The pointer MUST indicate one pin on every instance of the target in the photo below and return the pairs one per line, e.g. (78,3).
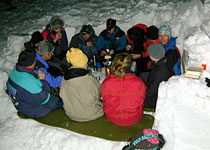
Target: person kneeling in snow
(30,93)
(80,90)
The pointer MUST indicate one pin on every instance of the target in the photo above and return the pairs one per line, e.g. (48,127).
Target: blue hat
(165,29)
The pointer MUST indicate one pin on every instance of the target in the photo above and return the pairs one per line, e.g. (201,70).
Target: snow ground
(183,113)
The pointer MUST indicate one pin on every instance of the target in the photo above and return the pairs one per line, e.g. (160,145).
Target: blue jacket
(78,41)
(116,40)
(172,45)
(53,81)
(30,95)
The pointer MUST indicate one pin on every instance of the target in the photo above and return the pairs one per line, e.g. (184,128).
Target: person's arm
(100,43)
(53,81)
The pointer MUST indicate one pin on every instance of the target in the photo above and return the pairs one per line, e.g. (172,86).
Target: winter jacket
(80,93)
(61,46)
(172,45)
(145,54)
(160,71)
(78,41)
(141,29)
(30,95)
(123,99)
(116,40)
(42,65)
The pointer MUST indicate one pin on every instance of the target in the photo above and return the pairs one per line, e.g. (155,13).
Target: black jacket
(160,71)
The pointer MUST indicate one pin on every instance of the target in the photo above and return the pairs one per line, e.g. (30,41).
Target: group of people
(49,64)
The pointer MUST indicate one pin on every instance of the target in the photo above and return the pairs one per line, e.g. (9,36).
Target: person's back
(80,91)
(160,71)
(123,93)
(30,93)
(86,41)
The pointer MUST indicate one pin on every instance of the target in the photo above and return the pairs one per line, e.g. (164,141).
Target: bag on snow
(147,139)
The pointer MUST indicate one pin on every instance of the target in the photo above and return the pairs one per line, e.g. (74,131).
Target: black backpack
(147,139)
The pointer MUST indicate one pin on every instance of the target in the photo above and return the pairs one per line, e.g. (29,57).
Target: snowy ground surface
(183,109)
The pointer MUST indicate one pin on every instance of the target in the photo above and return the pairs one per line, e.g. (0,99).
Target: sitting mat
(101,127)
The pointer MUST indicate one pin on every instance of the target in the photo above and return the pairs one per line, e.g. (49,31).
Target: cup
(204,66)
(98,66)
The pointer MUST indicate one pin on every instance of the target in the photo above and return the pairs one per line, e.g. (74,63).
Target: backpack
(147,139)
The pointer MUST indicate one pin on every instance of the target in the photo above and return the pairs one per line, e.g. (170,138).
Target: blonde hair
(121,63)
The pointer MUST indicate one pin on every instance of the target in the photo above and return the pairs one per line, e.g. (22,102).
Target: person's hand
(128,47)
(89,44)
(58,35)
(41,75)
(136,56)
(111,52)
(103,53)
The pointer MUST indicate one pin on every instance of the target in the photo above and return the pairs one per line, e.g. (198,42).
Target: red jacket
(129,41)
(123,99)
(147,44)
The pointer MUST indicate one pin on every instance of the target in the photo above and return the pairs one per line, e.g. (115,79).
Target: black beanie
(152,33)
(26,58)
(36,37)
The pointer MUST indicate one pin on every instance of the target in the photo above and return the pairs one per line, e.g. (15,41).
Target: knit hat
(165,29)
(110,23)
(56,22)
(76,57)
(36,37)
(26,58)
(87,29)
(156,51)
(44,48)
(152,33)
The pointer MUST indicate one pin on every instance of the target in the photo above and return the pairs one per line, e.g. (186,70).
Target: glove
(208,82)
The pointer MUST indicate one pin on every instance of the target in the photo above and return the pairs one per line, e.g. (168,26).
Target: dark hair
(110,23)
(87,29)
(36,37)
(121,62)
(152,33)
(26,58)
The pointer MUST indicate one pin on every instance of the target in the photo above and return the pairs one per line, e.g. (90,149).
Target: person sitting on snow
(56,34)
(35,39)
(112,40)
(152,37)
(123,93)
(80,90)
(30,92)
(136,37)
(45,51)
(169,43)
(161,70)
(86,41)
